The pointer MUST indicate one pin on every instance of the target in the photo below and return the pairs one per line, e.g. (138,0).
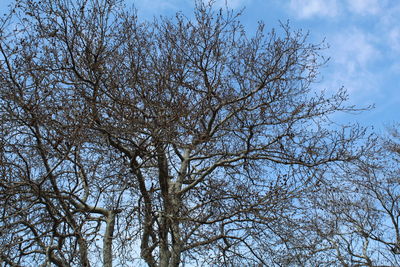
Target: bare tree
(358,212)
(182,138)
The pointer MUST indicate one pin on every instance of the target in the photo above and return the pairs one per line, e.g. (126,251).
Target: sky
(363,38)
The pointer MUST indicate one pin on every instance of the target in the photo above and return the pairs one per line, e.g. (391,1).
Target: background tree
(358,213)
(182,138)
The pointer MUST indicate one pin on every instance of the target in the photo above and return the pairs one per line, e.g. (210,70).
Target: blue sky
(363,35)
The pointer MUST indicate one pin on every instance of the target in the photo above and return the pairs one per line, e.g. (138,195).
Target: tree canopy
(181,140)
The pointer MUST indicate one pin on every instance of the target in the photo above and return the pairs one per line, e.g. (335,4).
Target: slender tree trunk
(176,241)
(164,250)
(83,252)
(108,240)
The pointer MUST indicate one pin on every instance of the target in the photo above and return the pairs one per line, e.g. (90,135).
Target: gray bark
(108,239)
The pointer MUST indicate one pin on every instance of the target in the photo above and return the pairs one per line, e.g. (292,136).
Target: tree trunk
(108,238)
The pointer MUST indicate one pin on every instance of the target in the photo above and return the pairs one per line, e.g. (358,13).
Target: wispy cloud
(354,53)
(354,49)
(394,39)
(331,8)
(389,29)
(231,3)
(149,8)
(312,8)
(366,7)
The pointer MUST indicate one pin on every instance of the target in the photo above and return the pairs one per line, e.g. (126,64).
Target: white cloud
(354,54)
(394,38)
(156,7)
(232,3)
(150,8)
(389,30)
(311,8)
(365,7)
(354,49)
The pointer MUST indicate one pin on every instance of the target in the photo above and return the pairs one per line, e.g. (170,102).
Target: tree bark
(108,240)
